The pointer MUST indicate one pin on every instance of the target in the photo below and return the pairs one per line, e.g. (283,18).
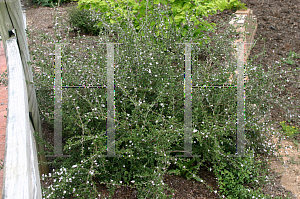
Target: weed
(289,130)
(3,78)
(290,59)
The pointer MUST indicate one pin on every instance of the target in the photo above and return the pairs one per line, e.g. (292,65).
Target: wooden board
(11,18)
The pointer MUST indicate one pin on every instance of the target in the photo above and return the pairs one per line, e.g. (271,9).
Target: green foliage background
(177,12)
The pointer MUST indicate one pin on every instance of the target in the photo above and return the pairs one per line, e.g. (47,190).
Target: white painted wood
(21,176)
(12,17)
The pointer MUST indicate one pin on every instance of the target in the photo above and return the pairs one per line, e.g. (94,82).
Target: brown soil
(278,22)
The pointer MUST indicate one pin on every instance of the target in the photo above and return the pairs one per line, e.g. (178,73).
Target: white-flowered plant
(149,111)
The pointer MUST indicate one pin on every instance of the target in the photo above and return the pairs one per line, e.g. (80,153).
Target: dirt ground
(278,22)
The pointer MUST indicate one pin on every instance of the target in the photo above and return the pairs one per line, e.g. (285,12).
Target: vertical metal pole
(240,101)
(110,101)
(188,102)
(57,103)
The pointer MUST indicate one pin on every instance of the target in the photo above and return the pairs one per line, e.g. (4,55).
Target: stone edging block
(246,24)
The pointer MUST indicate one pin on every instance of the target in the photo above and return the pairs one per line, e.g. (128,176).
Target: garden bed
(184,188)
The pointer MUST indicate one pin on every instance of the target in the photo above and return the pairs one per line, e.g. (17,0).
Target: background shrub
(121,11)
(50,3)
(84,20)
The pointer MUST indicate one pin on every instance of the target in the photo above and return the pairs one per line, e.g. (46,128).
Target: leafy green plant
(290,59)
(236,5)
(289,130)
(184,167)
(50,3)
(234,174)
(3,78)
(1,164)
(121,11)
(46,3)
(84,20)
(294,55)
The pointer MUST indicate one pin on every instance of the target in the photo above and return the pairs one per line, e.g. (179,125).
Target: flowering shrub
(149,112)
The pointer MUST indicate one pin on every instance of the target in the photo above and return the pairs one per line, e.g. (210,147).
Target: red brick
(2,137)
(3,111)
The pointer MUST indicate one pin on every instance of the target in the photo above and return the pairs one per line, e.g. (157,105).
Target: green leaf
(152,24)
(174,171)
(157,33)
(102,3)
(99,24)
(196,178)
(164,2)
(143,10)
(178,18)
(186,6)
